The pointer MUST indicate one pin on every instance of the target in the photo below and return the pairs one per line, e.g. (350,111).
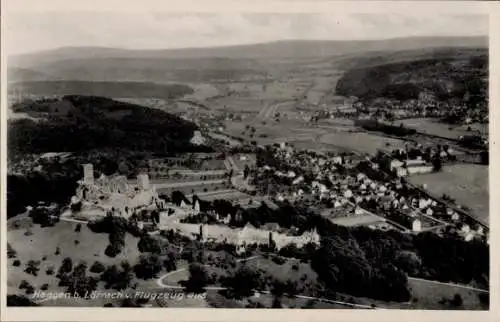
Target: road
(161,284)
(450,284)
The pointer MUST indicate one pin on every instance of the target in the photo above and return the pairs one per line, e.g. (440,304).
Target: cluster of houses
(356,193)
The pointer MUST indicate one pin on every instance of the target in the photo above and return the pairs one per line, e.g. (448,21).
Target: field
(433,127)
(430,295)
(361,142)
(467,183)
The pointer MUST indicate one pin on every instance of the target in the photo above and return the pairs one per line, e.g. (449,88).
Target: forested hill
(80,123)
(447,73)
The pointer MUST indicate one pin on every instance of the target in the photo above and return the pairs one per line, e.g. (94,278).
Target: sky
(35,31)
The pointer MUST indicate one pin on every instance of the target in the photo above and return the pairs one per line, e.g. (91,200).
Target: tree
(277,303)
(198,279)
(97,267)
(66,266)
(11,252)
(149,244)
(148,266)
(76,207)
(78,228)
(457,300)
(32,267)
(437,164)
(244,282)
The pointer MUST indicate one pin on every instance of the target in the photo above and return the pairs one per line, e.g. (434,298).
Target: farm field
(202,91)
(467,183)
(361,142)
(434,127)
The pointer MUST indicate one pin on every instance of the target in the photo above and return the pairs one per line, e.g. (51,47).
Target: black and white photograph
(247,160)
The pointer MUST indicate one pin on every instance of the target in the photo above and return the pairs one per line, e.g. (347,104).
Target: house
(337,160)
(395,164)
(420,169)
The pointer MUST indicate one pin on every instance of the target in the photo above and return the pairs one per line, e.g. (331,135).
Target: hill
(88,88)
(445,72)
(202,64)
(81,123)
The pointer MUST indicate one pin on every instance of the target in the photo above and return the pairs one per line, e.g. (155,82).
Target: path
(160,283)
(450,284)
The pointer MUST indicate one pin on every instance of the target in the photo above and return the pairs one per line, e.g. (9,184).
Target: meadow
(434,127)
(467,183)
(40,244)
(361,142)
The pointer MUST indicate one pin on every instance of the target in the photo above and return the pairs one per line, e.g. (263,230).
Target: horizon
(34,32)
(240,44)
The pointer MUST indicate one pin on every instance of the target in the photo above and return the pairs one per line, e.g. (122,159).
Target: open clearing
(362,142)
(44,241)
(467,183)
(434,127)
(429,296)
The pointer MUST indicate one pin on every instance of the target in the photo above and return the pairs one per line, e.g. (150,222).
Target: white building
(143,182)
(417,225)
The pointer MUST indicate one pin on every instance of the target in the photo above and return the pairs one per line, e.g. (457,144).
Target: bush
(30,290)
(97,267)
(11,252)
(77,242)
(112,250)
(279,260)
(24,284)
(50,271)
(484,298)
(16,263)
(457,300)
(58,251)
(78,228)
(44,287)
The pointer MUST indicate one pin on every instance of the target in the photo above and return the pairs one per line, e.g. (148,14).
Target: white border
(128,314)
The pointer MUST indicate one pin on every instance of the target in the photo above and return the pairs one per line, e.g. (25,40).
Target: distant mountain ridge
(285,48)
(214,64)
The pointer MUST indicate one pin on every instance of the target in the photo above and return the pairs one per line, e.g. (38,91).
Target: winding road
(161,284)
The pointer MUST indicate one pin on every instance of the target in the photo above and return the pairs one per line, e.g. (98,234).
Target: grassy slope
(44,242)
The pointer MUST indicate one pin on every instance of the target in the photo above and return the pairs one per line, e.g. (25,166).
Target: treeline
(373,125)
(97,123)
(111,89)
(56,182)
(29,190)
